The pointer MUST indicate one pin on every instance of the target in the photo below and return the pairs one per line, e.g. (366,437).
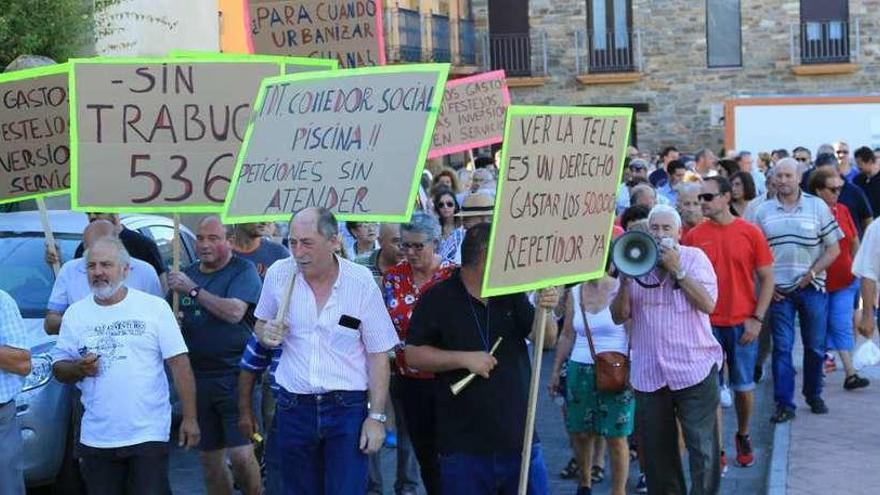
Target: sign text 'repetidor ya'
(159,134)
(352,141)
(347,30)
(560,170)
(34,139)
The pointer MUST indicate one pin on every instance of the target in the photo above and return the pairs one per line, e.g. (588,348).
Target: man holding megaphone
(675,357)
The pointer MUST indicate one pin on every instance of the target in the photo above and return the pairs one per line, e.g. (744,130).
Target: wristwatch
(680,275)
(379,417)
(194,292)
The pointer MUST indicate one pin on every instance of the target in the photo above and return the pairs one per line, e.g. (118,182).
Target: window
(609,34)
(723,33)
(510,46)
(824,31)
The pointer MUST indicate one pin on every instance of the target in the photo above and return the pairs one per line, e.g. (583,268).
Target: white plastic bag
(866,354)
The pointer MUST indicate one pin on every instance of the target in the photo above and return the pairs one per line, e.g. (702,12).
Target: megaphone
(635,253)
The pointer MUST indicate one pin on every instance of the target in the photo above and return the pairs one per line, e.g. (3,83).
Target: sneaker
(817,405)
(723,463)
(782,415)
(830,364)
(726,397)
(597,474)
(744,455)
(570,471)
(642,485)
(853,382)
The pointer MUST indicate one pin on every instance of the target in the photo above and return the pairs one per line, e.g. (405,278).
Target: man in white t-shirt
(72,282)
(114,346)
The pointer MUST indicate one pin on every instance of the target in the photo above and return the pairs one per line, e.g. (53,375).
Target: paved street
(186,474)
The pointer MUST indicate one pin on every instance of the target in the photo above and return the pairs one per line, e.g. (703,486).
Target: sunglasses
(415,246)
(446,204)
(708,196)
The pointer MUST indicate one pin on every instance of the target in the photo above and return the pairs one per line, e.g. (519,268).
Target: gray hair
(326,223)
(637,192)
(665,210)
(688,188)
(789,162)
(122,255)
(423,223)
(825,149)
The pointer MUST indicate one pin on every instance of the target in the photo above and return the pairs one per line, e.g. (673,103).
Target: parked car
(43,408)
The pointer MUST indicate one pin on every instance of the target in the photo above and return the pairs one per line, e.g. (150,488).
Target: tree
(58,29)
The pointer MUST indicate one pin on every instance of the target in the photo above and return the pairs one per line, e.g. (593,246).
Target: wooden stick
(538,331)
(288,291)
(50,237)
(175,262)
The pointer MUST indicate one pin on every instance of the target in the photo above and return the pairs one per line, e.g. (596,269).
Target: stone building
(677,61)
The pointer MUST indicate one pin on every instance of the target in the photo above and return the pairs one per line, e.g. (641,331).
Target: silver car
(44,406)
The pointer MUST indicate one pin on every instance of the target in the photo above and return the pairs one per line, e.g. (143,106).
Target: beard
(105,291)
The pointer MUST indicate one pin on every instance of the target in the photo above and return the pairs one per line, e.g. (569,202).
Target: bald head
(789,164)
(96,230)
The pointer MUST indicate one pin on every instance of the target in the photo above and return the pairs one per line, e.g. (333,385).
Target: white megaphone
(635,253)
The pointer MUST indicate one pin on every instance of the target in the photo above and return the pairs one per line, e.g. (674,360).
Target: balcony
(607,56)
(467,42)
(825,47)
(520,55)
(405,38)
(440,47)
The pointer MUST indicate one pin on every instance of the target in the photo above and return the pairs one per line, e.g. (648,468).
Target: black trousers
(695,408)
(140,469)
(419,401)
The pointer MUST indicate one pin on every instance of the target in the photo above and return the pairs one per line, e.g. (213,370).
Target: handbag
(612,368)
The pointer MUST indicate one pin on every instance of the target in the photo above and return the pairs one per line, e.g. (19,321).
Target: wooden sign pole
(50,237)
(175,262)
(538,326)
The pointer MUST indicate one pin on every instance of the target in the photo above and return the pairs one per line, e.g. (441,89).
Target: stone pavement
(834,453)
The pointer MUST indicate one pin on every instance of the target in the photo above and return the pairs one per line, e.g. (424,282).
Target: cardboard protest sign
(346,30)
(353,141)
(292,65)
(560,170)
(156,135)
(472,114)
(34,139)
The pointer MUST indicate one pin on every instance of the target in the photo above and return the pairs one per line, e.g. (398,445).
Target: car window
(26,276)
(164,237)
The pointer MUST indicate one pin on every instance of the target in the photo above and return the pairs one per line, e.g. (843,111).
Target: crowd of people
(295,362)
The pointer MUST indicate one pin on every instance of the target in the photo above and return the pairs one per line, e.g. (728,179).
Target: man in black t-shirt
(479,431)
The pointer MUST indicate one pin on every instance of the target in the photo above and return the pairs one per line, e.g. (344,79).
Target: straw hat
(477,205)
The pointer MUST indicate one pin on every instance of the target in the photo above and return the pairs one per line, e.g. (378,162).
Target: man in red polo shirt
(738,251)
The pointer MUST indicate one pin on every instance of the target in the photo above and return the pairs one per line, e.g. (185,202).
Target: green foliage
(58,29)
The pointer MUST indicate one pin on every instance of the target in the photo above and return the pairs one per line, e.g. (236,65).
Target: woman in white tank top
(591,414)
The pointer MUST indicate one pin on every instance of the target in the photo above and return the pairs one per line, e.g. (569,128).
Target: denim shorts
(839,335)
(740,358)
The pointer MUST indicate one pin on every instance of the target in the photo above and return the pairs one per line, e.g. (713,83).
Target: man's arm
(697,294)
(828,256)
(228,309)
(247,423)
(372,431)
(52,322)
(71,371)
(15,360)
(621,311)
(429,358)
(869,297)
(185,385)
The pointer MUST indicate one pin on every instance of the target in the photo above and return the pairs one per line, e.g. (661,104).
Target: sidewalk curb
(778,475)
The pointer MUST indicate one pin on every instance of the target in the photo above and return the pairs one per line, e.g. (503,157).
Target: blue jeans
(11,455)
(811,306)
(272,459)
(840,318)
(740,358)
(492,474)
(318,436)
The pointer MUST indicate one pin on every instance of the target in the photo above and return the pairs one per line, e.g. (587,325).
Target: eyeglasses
(415,246)
(446,204)
(708,196)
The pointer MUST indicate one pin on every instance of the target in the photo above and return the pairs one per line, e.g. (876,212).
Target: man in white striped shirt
(335,338)
(803,236)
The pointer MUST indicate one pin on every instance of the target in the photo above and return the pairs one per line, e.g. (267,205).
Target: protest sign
(35,151)
(353,141)
(158,135)
(472,114)
(346,30)
(291,65)
(560,170)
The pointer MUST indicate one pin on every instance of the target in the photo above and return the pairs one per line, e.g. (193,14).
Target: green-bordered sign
(34,138)
(159,134)
(354,141)
(555,204)
(292,65)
